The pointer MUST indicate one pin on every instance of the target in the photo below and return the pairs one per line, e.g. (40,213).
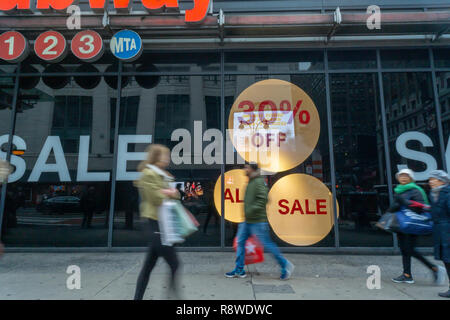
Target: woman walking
(440,211)
(154,189)
(410,195)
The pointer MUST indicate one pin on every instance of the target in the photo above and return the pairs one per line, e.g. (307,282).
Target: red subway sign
(197,14)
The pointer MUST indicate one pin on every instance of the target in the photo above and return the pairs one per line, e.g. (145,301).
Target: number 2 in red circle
(87,46)
(51,46)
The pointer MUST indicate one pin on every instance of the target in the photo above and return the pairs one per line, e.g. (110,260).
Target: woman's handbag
(388,222)
(414,223)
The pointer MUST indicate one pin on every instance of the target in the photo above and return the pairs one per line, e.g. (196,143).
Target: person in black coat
(440,201)
(409,195)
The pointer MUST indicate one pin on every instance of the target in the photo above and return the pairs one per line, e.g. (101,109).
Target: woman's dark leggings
(407,243)
(156,250)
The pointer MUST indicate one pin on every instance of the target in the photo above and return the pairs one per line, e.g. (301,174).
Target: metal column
(114,168)
(10,140)
(385,136)
(331,150)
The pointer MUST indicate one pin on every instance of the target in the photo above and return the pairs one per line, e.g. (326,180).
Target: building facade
(75,131)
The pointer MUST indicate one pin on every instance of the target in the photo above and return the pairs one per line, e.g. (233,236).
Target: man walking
(255,201)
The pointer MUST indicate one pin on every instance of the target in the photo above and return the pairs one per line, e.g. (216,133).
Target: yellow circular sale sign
(300,209)
(274,123)
(235,184)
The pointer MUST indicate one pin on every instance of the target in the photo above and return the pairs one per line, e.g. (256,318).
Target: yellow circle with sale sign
(235,185)
(300,209)
(274,123)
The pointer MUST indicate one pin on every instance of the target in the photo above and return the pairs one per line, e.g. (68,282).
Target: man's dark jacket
(255,200)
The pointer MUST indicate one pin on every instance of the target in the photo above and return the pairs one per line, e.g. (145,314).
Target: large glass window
(174,113)
(273,61)
(397,59)
(60,189)
(412,126)
(361,184)
(64,140)
(298,103)
(441,57)
(349,59)
(176,62)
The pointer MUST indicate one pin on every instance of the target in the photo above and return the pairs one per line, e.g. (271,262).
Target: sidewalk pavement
(112,276)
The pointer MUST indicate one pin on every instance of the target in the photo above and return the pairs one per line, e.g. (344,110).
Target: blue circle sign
(126,45)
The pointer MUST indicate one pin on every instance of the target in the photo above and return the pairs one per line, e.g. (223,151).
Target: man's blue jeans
(261,231)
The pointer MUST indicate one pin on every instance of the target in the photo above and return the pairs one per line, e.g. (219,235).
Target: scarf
(436,191)
(406,187)
(167,177)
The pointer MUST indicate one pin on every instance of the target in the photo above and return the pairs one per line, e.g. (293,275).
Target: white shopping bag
(169,224)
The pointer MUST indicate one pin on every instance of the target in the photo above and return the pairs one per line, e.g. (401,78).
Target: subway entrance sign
(197,14)
(126,45)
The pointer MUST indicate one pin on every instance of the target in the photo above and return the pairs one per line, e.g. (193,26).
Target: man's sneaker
(403,279)
(287,271)
(439,276)
(445,294)
(236,274)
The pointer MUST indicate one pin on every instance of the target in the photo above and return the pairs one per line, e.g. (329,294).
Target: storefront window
(182,62)
(59,194)
(71,64)
(397,59)
(6,67)
(297,122)
(60,190)
(442,57)
(6,100)
(412,126)
(273,61)
(349,59)
(174,113)
(361,184)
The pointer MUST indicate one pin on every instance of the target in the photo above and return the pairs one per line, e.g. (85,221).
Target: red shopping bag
(254,251)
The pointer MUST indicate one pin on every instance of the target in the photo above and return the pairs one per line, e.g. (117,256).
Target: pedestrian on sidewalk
(440,210)
(154,189)
(409,195)
(255,201)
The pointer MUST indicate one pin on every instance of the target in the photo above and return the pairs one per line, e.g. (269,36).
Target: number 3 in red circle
(87,46)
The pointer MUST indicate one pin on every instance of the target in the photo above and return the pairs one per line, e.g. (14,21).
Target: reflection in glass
(175,62)
(346,59)
(60,188)
(412,127)
(441,57)
(186,104)
(397,59)
(361,185)
(272,61)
